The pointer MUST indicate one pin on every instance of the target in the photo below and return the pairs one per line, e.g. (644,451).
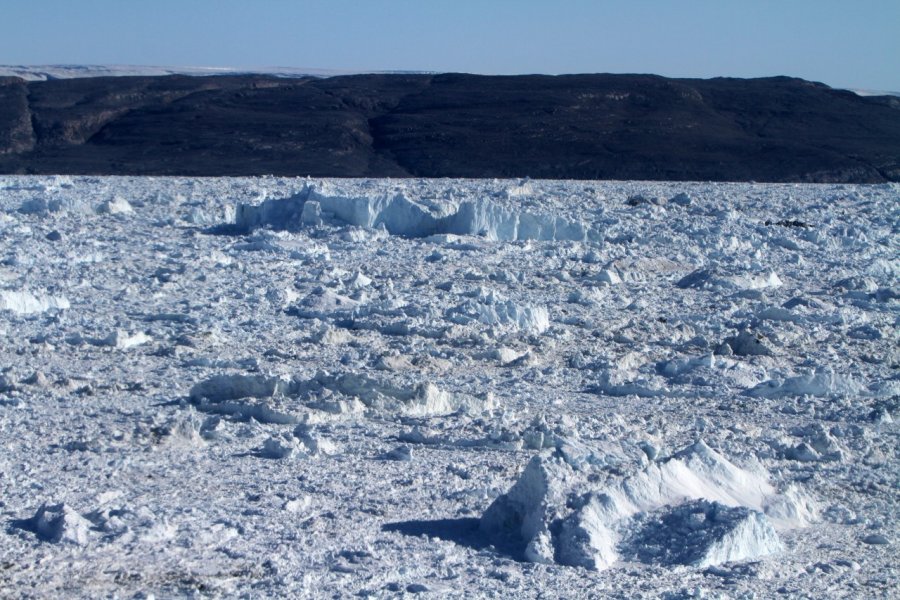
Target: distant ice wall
(403,216)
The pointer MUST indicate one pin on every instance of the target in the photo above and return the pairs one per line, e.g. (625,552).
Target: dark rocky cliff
(577,126)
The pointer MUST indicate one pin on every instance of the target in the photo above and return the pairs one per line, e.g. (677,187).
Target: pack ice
(288,387)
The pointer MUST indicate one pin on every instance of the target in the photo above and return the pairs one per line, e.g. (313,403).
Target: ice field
(267,387)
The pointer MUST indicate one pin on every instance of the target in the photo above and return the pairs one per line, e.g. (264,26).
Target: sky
(849,44)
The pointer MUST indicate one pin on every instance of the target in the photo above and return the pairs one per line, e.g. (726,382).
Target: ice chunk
(624,381)
(34,206)
(430,400)
(26,303)
(777,313)
(279,447)
(528,317)
(182,431)
(717,279)
(7,383)
(58,523)
(323,304)
(608,277)
(820,383)
(801,453)
(681,199)
(492,308)
(122,341)
(526,511)
(311,215)
(400,453)
(313,442)
(876,539)
(115,206)
(746,343)
(791,509)
(681,366)
(553,513)
(586,538)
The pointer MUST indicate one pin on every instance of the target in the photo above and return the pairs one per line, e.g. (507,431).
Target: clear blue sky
(842,43)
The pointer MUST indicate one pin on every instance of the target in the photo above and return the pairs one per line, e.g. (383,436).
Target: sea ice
(295,387)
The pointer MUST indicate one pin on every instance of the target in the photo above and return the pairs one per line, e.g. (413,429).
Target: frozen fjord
(470,388)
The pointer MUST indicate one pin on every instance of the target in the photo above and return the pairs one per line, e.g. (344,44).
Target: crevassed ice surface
(494,388)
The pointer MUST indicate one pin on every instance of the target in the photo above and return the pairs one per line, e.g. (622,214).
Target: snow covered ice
(455,388)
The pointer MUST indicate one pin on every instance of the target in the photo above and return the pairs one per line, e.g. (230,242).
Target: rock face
(450,125)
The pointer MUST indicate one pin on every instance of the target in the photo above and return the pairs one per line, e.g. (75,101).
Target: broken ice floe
(290,400)
(697,499)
